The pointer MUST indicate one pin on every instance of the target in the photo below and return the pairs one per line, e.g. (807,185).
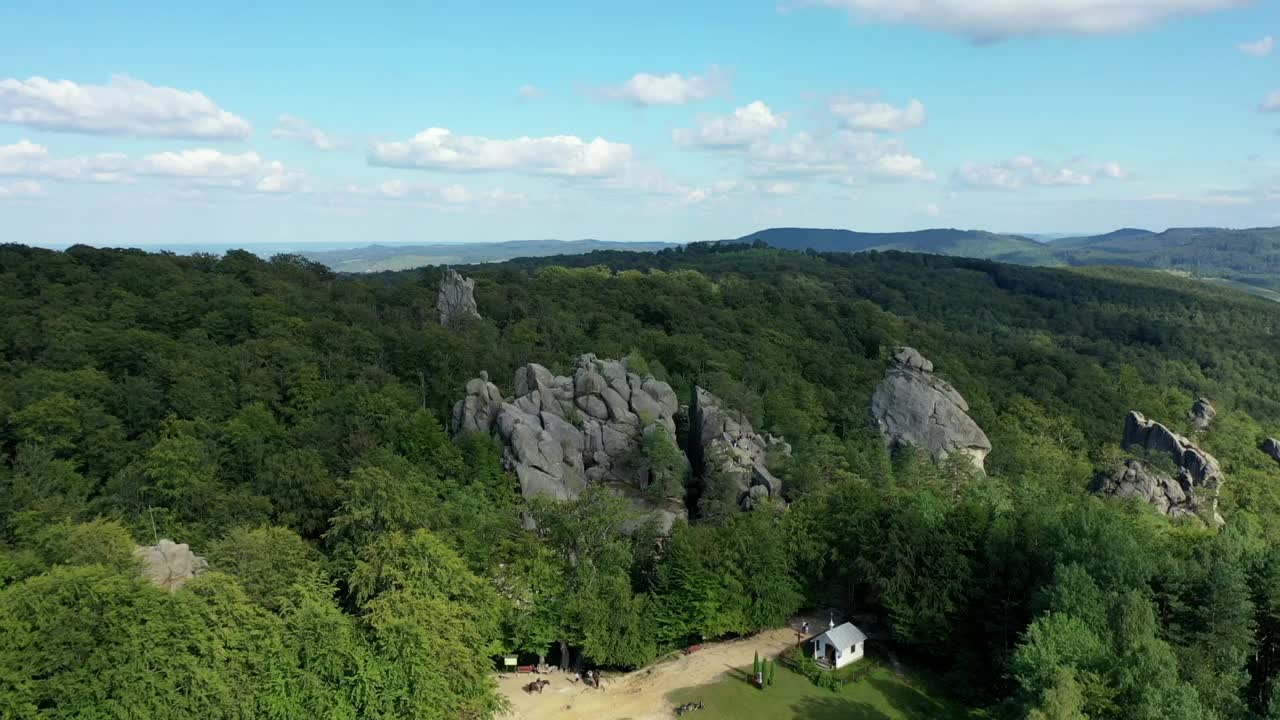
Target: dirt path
(640,695)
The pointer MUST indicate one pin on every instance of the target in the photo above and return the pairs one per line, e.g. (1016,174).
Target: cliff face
(562,432)
(1190,491)
(720,436)
(914,407)
(456,298)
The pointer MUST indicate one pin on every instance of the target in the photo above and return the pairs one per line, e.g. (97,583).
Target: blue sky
(231,123)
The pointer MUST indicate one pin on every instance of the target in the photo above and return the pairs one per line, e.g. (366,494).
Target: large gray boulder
(723,436)
(169,565)
(913,407)
(1190,490)
(561,433)
(1202,414)
(456,298)
(1271,447)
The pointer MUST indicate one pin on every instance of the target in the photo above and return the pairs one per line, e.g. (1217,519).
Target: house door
(831,654)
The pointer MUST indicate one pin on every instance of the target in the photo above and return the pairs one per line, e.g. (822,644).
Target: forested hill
(940,241)
(1249,257)
(290,425)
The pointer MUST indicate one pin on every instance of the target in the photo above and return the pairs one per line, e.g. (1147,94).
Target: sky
(247,123)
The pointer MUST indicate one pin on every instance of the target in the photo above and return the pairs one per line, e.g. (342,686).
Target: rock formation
(561,433)
(1202,414)
(1191,490)
(914,407)
(717,434)
(1271,446)
(168,564)
(456,298)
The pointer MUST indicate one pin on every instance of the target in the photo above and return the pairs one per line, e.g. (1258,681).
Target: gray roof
(844,636)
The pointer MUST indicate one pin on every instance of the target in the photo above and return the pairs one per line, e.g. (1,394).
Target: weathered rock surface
(1174,497)
(1202,414)
(1271,446)
(1190,491)
(914,407)
(563,432)
(456,298)
(717,434)
(168,564)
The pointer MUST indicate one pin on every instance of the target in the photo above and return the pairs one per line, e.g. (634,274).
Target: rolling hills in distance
(1248,259)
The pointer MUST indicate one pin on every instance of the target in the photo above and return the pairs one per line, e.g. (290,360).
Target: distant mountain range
(1248,259)
(379,258)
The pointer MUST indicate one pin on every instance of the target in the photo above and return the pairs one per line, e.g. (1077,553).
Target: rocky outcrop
(914,407)
(1271,447)
(456,299)
(1171,496)
(1189,490)
(719,435)
(169,565)
(1202,414)
(562,432)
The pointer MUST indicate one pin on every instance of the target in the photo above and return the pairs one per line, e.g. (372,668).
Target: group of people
(591,678)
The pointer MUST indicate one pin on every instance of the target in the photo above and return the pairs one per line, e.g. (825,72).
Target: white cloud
(931,209)
(995,19)
(214,168)
(1023,170)
(1271,103)
(843,155)
(559,155)
(20,189)
(438,196)
(530,92)
(200,167)
(1259,48)
(669,89)
(290,127)
(742,127)
(875,115)
(124,106)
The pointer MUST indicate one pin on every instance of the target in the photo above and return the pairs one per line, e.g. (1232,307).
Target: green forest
(291,425)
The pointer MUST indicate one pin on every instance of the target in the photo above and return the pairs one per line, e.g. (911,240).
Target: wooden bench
(526,668)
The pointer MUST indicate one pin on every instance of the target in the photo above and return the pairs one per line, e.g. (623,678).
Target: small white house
(839,645)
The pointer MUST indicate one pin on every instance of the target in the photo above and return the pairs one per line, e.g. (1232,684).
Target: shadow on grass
(909,702)
(836,708)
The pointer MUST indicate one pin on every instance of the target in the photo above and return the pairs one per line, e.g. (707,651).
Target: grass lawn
(882,695)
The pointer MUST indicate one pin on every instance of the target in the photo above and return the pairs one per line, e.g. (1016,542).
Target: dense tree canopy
(290,425)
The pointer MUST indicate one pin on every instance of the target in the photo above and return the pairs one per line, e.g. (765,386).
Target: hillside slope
(940,241)
(1249,256)
(381,258)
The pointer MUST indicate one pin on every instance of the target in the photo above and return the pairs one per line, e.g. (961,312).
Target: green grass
(882,695)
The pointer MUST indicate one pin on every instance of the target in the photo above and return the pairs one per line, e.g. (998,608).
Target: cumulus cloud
(844,155)
(669,89)
(745,125)
(558,155)
(202,167)
(1271,103)
(1259,48)
(994,19)
(859,114)
(931,209)
(124,106)
(290,127)
(1024,170)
